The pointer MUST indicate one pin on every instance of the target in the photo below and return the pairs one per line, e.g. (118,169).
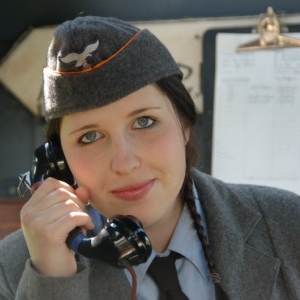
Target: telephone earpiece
(49,161)
(121,242)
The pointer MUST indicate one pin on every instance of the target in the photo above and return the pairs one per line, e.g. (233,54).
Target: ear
(186,135)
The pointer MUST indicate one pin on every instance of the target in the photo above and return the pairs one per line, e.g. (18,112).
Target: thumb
(83,194)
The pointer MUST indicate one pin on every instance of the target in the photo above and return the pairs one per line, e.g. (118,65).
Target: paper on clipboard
(256,129)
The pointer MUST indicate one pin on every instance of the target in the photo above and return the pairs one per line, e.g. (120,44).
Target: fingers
(55,233)
(64,211)
(54,200)
(48,186)
(52,212)
(52,192)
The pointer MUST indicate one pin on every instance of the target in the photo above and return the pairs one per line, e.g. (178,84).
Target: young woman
(115,101)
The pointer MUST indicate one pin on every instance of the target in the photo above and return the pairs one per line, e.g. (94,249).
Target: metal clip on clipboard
(269,30)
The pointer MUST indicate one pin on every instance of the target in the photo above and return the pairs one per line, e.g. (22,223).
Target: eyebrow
(130,115)
(90,126)
(138,111)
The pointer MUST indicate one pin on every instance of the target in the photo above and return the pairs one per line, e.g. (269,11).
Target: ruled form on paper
(256,121)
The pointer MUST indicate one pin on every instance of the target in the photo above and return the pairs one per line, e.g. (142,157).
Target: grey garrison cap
(93,61)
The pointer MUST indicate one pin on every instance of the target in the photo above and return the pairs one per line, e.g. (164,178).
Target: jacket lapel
(239,241)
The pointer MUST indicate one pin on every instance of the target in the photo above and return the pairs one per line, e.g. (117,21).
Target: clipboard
(204,130)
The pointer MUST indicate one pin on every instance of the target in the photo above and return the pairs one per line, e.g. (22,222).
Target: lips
(133,192)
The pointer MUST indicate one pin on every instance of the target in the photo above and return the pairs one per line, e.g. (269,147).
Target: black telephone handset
(121,242)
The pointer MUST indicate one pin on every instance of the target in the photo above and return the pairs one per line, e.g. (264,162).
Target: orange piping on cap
(99,64)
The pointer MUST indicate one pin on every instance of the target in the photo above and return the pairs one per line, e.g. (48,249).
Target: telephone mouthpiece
(120,242)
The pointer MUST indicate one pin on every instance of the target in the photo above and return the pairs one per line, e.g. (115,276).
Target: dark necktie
(163,272)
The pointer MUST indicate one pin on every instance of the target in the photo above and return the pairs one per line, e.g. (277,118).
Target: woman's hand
(52,212)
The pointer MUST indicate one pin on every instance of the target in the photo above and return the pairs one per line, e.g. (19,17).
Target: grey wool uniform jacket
(254,234)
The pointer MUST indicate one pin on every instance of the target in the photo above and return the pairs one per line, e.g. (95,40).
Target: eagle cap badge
(80,58)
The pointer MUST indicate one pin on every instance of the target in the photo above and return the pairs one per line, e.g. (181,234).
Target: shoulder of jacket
(13,247)
(261,198)
(13,256)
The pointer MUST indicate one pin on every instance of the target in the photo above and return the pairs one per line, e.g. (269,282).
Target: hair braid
(190,201)
(188,196)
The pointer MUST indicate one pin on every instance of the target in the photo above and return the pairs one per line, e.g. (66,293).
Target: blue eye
(144,122)
(90,137)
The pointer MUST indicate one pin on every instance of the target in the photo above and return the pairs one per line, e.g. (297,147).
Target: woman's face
(131,156)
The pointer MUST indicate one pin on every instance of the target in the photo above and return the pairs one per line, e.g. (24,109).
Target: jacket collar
(239,240)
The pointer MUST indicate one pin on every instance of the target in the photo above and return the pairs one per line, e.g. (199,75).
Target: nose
(125,156)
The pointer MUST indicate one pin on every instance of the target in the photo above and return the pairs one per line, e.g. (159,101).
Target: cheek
(82,167)
(168,149)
